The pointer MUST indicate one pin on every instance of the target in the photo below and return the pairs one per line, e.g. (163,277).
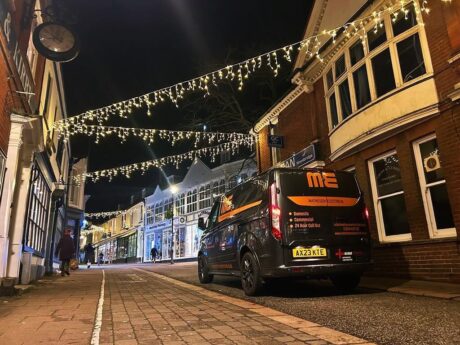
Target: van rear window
(318,183)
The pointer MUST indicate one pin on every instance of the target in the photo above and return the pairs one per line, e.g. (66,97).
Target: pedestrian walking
(100,260)
(171,254)
(154,254)
(66,250)
(89,254)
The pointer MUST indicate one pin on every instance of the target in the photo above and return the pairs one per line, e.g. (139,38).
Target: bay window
(386,58)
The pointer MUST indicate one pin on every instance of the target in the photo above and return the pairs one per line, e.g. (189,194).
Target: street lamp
(174,189)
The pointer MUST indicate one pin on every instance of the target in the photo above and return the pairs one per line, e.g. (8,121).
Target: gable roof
(328,15)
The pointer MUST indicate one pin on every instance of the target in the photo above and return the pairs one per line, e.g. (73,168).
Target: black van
(288,223)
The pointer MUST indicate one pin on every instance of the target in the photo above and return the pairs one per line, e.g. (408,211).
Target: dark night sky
(132,47)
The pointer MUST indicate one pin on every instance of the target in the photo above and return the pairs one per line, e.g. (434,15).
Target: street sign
(305,156)
(276,141)
(300,159)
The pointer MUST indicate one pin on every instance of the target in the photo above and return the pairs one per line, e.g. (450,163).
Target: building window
(2,172)
(168,206)
(180,204)
(150,210)
(410,58)
(222,186)
(232,182)
(159,212)
(215,190)
(202,198)
(388,196)
(389,57)
(191,201)
(383,73)
(207,194)
(37,212)
(433,186)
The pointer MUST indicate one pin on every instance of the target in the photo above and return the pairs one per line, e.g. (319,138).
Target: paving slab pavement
(56,311)
(142,307)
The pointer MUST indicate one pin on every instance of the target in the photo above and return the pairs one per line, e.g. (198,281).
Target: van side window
(245,194)
(212,219)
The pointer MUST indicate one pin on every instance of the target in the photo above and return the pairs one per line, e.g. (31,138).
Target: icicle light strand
(150,135)
(127,170)
(241,71)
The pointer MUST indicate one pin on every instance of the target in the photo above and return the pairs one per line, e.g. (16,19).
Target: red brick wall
(432,260)
(263,151)
(441,47)
(301,122)
(5,122)
(422,258)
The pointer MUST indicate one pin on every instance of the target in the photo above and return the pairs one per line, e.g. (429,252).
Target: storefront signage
(300,159)
(13,46)
(276,141)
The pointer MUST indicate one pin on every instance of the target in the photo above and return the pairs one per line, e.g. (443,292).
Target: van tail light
(275,213)
(366,217)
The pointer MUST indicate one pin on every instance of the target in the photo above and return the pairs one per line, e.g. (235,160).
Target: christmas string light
(149,135)
(106,214)
(128,170)
(241,71)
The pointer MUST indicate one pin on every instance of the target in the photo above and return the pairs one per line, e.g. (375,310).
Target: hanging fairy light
(127,170)
(106,214)
(148,135)
(243,70)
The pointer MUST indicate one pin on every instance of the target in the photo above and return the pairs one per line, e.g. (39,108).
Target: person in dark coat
(66,250)
(89,254)
(154,254)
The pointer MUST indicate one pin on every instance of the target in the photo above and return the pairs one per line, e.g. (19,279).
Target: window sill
(399,109)
(397,238)
(416,242)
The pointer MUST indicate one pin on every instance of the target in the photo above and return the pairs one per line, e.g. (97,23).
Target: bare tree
(228,109)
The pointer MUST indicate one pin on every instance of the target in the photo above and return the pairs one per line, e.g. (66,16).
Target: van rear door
(322,212)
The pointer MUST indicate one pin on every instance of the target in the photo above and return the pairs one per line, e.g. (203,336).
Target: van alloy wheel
(203,271)
(250,275)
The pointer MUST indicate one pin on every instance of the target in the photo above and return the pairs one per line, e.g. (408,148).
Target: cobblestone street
(141,307)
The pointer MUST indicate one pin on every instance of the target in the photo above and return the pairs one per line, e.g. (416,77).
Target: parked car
(288,223)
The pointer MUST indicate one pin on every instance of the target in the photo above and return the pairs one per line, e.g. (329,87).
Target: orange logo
(321,180)
(227,204)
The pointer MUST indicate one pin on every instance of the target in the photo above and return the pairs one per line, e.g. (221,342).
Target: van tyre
(250,275)
(203,271)
(346,283)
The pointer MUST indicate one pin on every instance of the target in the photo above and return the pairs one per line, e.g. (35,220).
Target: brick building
(383,102)
(36,189)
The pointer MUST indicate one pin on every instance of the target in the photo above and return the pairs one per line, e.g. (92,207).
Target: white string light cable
(241,71)
(149,134)
(127,170)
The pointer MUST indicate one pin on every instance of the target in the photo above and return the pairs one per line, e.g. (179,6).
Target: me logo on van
(322,180)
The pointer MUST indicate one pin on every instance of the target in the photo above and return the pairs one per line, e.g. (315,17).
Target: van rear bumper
(316,270)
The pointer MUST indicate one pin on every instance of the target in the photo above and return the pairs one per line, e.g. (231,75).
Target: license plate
(313,252)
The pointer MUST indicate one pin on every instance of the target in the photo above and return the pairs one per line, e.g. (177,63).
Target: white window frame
(391,44)
(425,191)
(2,172)
(378,207)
